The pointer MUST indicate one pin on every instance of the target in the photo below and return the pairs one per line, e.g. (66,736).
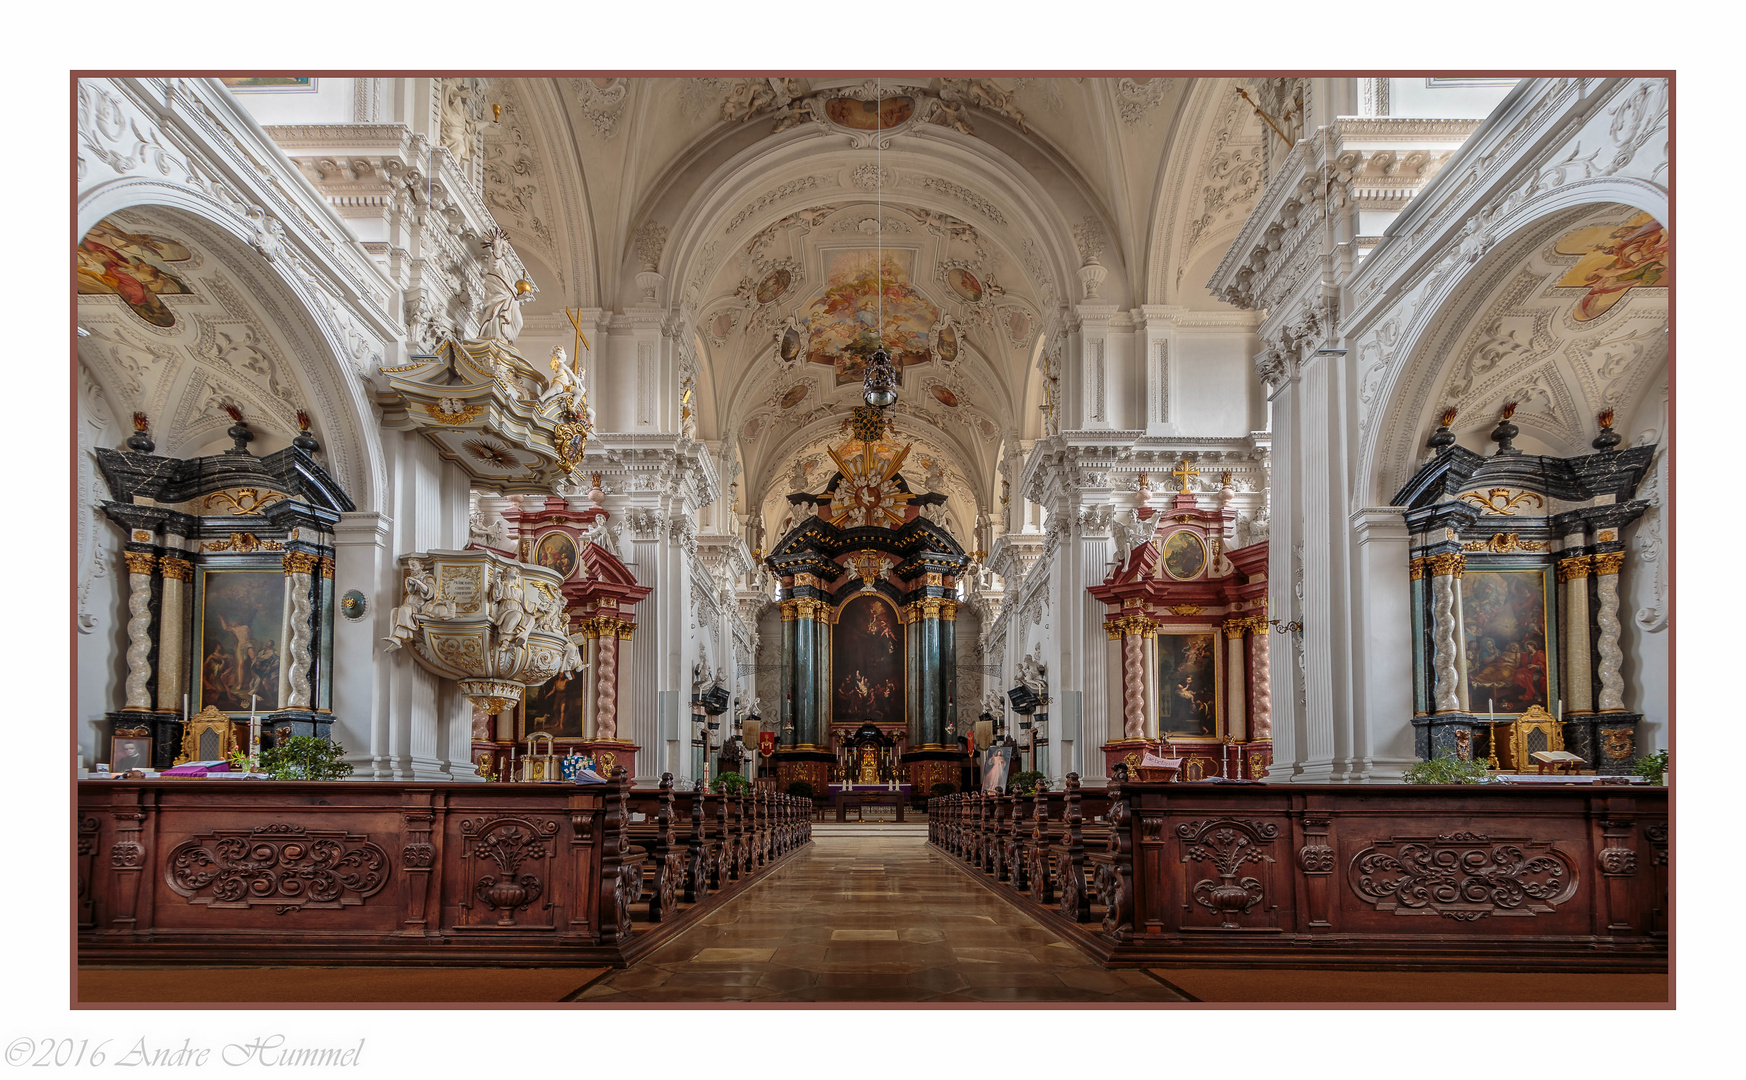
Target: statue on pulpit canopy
(1033,675)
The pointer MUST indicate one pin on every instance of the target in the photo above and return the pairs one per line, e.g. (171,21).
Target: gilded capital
(1416,569)
(1608,562)
(1577,566)
(949,610)
(1234,628)
(301,562)
(139,562)
(787,607)
(1450,563)
(174,568)
(327,567)
(930,607)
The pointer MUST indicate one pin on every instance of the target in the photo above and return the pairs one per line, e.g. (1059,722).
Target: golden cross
(1183,472)
(576,321)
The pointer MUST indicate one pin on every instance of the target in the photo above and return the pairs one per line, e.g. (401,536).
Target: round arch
(1390,449)
(325,359)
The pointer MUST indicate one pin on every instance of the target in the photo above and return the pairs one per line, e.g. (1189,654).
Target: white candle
(254,732)
(184,708)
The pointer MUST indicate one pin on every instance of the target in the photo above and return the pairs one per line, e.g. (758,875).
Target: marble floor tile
(870,920)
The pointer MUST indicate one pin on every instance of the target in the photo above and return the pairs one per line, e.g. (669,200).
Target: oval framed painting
(859,115)
(775,283)
(790,347)
(556,551)
(944,396)
(964,283)
(794,396)
(722,325)
(1184,555)
(948,346)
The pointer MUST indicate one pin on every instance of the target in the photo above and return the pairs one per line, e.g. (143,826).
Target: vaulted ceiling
(761,203)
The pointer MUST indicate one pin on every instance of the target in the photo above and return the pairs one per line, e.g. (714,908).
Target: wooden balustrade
(1483,877)
(188,871)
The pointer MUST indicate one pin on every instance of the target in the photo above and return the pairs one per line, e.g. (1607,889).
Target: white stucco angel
(1033,674)
(564,383)
(420,585)
(572,665)
(505,292)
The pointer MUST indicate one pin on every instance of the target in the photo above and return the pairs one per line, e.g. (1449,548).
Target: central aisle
(871,918)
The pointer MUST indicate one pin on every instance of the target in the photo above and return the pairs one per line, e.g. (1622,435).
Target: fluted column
(140,565)
(1578,676)
(1612,684)
(1236,716)
(1260,681)
(172,616)
(299,649)
(1446,570)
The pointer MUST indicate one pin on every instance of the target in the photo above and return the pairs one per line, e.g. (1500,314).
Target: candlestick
(184,708)
(254,735)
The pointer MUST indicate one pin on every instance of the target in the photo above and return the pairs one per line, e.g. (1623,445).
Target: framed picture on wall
(130,752)
(237,638)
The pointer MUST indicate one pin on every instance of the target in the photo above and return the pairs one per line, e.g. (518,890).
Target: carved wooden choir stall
(1516,561)
(1187,657)
(230,577)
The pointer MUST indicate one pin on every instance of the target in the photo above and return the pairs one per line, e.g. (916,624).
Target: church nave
(883,918)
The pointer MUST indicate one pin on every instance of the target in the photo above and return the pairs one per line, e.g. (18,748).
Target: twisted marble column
(300,567)
(1260,681)
(1133,682)
(606,684)
(1612,684)
(139,629)
(1445,571)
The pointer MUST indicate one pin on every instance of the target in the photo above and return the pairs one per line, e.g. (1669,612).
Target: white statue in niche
(459,120)
(1033,675)
(504,292)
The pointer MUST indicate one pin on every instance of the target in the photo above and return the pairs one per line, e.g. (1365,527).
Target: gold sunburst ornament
(868,493)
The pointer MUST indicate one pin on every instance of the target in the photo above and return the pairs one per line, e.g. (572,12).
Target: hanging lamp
(879,382)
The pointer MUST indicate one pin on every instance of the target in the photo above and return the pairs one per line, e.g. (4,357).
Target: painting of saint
(868,662)
(558,708)
(1615,259)
(948,349)
(1184,555)
(868,301)
(1187,684)
(556,550)
(944,396)
(794,396)
(133,266)
(790,345)
(1503,614)
(241,617)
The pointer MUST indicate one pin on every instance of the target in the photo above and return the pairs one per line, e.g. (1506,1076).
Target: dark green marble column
(823,674)
(948,664)
(933,702)
(791,665)
(913,676)
(805,675)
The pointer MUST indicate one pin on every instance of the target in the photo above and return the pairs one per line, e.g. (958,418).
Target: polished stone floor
(871,919)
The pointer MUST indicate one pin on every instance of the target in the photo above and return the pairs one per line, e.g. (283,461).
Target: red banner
(766,742)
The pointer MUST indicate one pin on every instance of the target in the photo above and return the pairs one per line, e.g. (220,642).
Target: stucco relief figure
(504,292)
(460,127)
(572,664)
(509,610)
(564,383)
(420,600)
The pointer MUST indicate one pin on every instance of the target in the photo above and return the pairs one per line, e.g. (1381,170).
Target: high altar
(1187,656)
(869,607)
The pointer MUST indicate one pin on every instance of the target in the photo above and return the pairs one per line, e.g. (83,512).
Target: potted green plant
(730,783)
(1447,769)
(304,757)
(1652,768)
(1023,783)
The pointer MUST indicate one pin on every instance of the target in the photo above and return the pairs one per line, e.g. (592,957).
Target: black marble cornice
(817,538)
(1595,518)
(1452,515)
(1610,472)
(287,515)
(153,519)
(292,470)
